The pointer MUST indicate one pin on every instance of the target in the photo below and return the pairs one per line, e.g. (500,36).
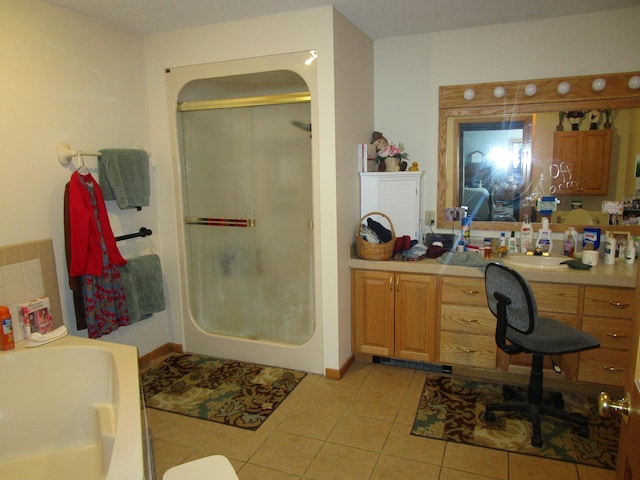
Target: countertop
(619,275)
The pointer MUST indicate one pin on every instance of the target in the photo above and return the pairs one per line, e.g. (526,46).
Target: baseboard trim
(334,374)
(146,360)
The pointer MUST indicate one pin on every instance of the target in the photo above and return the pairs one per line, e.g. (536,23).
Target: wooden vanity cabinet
(607,316)
(467,326)
(581,162)
(394,314)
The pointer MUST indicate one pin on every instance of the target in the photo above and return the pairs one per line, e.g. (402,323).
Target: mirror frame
(581,96)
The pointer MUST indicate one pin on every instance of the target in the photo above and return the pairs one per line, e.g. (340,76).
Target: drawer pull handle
(612,369)
(620,304)
(468,350)
(391,283)
(615,335)
(471,292)
(471,320)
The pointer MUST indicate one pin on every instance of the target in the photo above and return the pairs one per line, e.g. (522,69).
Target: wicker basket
(375,251)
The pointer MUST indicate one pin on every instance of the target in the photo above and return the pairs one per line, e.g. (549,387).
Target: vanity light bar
(597,88)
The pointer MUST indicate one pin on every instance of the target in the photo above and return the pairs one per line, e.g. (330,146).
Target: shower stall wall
(245,164)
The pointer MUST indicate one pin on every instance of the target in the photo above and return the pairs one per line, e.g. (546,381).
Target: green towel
(143,286)
(123,175)
(464,259)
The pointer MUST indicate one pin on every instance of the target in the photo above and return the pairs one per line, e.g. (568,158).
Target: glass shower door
(246,176)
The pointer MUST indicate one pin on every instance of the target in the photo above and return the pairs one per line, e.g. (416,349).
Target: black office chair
(519,329)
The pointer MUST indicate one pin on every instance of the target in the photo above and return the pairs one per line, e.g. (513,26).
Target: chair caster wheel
(558,401)
(490,416)
(536,441)
(583,431)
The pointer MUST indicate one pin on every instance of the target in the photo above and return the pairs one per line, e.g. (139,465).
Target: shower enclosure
(245,165)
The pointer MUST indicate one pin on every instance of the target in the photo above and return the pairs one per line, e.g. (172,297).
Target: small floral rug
(452,409)
(224,391)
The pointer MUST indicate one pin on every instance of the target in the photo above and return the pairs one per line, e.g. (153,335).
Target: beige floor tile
(586,472)
(354,377)
(256,472)
(386,379)
(360,432)
(234,443)
(167,455)
(452,474)
(310,422)
(340,462)
(286,452)
(401,443)
(384,406)
(389,467)
(479,460)
(188,431)
(537,468)
(408,409)
(328,395)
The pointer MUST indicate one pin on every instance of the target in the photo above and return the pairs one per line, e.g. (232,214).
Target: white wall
(409,70)
(65,78)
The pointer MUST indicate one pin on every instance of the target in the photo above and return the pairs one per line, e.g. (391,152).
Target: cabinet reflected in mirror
(498,157)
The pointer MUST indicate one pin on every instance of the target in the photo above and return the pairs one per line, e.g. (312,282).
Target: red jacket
(86,252)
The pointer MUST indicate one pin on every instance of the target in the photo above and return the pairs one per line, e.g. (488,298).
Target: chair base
(551,406)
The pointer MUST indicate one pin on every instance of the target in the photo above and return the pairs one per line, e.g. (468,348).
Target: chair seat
(553,338)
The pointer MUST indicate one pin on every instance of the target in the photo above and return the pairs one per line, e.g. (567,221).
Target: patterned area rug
(452,409)
(224,391)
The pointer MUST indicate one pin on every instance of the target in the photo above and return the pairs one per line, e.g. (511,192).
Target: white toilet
(215,467)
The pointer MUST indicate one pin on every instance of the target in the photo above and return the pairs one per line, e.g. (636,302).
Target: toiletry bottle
(526,236)
(503,239)
(610,250)
(6,334)
(630,253)
(574,236)
(465,234)
(568,245)
(513,243)
(544,241)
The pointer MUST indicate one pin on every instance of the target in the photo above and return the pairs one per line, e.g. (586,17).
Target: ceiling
(377,18)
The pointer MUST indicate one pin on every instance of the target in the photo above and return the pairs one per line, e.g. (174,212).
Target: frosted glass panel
(249,163)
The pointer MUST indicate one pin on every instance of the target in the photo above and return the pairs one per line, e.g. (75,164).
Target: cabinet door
(415,311)
(596,159)
(565,169)
(373,316)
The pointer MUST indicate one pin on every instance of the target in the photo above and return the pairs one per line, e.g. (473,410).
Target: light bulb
(599,84)
(634,82)
(469,94)
(498,92)
(530,90)
(563,88)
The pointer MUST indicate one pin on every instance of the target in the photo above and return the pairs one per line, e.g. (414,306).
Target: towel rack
(66,153)
(143,232)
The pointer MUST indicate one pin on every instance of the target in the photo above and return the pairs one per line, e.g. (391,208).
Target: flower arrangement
(385,150)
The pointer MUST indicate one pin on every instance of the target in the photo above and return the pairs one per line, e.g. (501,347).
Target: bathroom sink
(537,262)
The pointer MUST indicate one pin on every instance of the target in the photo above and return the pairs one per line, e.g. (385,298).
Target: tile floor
(354,428)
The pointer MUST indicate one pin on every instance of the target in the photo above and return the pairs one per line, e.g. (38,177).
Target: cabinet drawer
(612,332)
(553,297)
(464,291)
(609,302)
(466,319)
(603,365)
(472,350)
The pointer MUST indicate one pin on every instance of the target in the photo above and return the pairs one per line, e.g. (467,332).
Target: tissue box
(35,316)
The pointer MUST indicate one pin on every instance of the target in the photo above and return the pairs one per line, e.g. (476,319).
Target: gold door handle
(470,292)
(471,320)
(615,335)
(610,369)
(622,406)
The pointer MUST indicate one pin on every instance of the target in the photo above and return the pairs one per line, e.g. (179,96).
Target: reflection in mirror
(500,156)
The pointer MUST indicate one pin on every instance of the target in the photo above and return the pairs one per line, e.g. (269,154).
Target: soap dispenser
(544,241)
(526,236)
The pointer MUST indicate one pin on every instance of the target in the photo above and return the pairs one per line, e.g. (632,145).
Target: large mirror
(505,149)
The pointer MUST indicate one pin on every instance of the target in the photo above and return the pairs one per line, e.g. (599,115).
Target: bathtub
(70,409)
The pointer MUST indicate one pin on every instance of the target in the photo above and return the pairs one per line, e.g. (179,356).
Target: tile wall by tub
(27,271)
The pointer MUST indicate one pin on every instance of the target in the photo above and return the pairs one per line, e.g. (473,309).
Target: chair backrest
(520,308)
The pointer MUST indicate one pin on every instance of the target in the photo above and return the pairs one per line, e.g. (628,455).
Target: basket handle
(393,232)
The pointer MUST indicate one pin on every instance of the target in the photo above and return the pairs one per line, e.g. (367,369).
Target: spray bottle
(526,236)
(6,334)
